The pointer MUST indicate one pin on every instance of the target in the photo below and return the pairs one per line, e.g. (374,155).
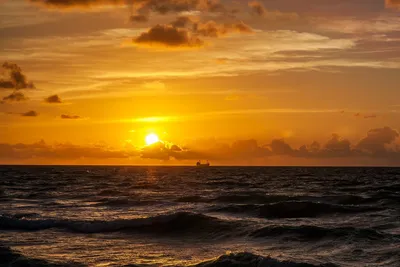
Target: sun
(151,139)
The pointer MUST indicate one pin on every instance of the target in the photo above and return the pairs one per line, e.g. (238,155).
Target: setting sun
(151,139)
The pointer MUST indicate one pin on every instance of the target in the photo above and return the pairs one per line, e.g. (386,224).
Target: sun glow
(151,139)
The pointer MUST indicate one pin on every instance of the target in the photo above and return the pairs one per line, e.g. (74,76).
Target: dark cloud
(376,144)
(165,151)
(181,22)
(139,18)
(168,36)
(77,3)
(280,147)
(6,84)
(53,99)
(257,8)
(15,97)
(13,78)
(31,113)
(70,117)
(338,147)
(159,6)
(377,139)
(249,148)
(213,29)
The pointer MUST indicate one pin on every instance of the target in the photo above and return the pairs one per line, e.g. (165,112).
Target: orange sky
(236,82)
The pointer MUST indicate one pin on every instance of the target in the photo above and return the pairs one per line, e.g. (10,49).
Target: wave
(9,257)
(309,232)
(191,199)
(304,209)
(246,259)
(252,198)
(293,209)
(110,192)
(123,202)
(176,223)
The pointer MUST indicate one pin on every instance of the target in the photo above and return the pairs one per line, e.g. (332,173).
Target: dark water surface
(187,216)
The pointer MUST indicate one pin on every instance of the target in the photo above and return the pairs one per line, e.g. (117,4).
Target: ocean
(204,217)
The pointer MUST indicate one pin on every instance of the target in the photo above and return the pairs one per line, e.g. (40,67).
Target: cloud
(377,139)
(337,147)
(63,4)
(280,147)
(59,151)
(13,78)
(139,18)
(213,29)
(4,84)
(53,99)
(142,6)
(15,97)
(376,144)
(31,113)
(70,117)
(379,145)
(377,25)
(249,148)
(169,37)
(181,22)
(371,116)
(176,6)
(179,35)
(257,8)
(165,151)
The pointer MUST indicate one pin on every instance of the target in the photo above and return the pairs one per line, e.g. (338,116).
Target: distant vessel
(199,164)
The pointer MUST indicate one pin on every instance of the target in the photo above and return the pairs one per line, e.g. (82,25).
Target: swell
(182,223)
(193,225)
(314,233)
(123,202)
(294,209)
(252,198)
(246,259)
(10,257)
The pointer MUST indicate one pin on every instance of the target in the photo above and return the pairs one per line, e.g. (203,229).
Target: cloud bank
(379,143)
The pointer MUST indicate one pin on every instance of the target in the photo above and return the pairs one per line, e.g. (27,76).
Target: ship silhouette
(200,164)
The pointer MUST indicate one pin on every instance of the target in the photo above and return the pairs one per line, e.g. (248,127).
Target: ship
(199,164)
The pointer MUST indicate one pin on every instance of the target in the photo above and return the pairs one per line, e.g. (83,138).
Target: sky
(236,82)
